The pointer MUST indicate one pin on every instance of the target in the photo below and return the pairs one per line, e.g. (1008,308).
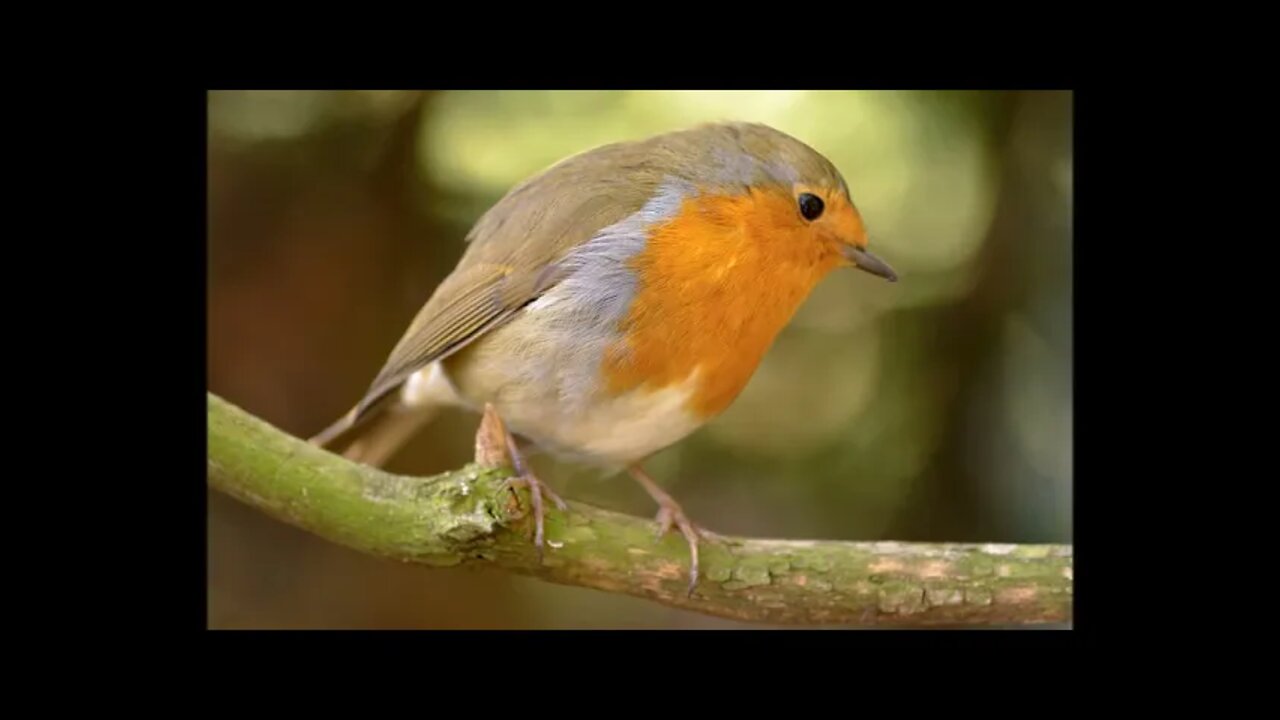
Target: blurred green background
(934,409)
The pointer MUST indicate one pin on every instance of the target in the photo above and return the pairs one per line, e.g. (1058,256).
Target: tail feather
(326,437)
(387,434)
(376,435)
(382,422)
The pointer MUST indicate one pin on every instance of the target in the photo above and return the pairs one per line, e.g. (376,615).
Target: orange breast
(716,285)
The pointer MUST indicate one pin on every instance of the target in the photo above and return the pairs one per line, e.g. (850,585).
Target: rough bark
(470,517)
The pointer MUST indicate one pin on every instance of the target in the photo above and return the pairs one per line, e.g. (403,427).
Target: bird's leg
(670,513)
(536,487)
(491,438)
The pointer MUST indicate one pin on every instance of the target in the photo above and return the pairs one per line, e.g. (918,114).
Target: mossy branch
(467,518)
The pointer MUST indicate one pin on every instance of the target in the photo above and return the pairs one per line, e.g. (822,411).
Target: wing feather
(512,258)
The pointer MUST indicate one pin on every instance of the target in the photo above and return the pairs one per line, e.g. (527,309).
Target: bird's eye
(810,206)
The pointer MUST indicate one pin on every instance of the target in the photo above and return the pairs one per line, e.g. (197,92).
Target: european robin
(613,304)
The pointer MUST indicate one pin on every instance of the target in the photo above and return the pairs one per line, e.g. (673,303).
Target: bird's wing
(512,258)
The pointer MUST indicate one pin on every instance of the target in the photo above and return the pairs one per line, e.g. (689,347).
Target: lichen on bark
(472,517)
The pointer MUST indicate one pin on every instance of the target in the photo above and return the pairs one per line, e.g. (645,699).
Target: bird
(617,301)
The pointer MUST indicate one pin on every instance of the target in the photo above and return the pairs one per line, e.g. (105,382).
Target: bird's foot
(670,515)
(496,447)
(537,489)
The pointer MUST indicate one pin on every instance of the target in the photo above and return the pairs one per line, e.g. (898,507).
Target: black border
(175,379)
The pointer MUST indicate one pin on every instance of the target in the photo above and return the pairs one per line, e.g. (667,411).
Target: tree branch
(466,517)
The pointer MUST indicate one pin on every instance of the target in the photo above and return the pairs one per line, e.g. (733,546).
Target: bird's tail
(378,434)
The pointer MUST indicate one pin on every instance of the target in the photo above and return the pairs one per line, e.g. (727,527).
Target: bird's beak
(866,261)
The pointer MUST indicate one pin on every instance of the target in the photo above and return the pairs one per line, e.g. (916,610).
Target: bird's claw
(671,515)
(537,489)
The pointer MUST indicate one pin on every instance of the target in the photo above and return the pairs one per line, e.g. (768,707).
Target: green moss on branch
(466,517)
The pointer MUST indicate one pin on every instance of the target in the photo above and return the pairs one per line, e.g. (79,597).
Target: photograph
(639,359)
